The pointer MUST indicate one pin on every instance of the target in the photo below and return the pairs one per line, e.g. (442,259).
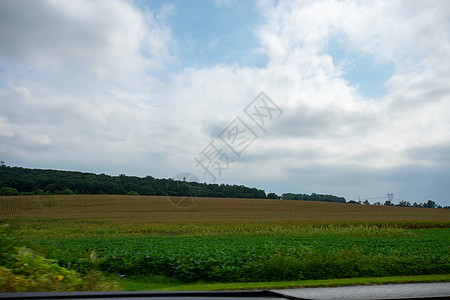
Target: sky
(350,98)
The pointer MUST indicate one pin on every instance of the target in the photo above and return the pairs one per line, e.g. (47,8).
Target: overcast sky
(356,103)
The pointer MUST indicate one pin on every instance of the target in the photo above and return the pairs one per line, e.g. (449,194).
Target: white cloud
(297,32)
(213,43)
(109,39)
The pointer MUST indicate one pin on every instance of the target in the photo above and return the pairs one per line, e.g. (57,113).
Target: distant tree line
(313,197)
(331,198)
(23,181)
(403,203)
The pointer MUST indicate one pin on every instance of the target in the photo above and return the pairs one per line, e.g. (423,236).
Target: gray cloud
(437,154)
(329,122)
(106,38)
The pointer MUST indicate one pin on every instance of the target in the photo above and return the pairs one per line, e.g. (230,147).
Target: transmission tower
(390,196)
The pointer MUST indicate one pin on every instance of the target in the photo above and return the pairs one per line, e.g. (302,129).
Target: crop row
(19,205)
(72,227)
(227,259)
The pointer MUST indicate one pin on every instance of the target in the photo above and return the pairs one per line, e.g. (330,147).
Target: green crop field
(231,240)
(251,259)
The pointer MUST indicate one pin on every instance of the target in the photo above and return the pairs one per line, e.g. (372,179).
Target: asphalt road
(390,291)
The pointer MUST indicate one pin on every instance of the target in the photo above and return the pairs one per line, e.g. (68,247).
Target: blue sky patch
(208,34)
(361,70)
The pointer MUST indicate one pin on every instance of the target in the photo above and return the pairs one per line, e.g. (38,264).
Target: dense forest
(16,180)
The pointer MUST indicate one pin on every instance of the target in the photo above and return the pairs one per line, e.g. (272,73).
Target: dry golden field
(157,215)
(160,208)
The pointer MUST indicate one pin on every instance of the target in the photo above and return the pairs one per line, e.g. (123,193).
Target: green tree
(8,191)
(66,191)
(430,204)
(404,203)
(272,196)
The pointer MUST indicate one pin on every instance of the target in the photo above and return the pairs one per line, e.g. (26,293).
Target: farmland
(154,215)
(231,240)
(244,259)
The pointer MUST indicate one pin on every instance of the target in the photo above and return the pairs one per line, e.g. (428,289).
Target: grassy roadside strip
(144,285)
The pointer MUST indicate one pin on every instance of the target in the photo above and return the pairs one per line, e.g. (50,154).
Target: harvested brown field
(160,208)
(112,214)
